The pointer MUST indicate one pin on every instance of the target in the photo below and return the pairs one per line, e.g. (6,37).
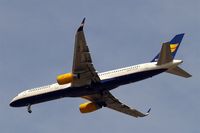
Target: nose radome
(12,102)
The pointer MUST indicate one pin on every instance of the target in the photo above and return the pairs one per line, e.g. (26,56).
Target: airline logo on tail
(174,45)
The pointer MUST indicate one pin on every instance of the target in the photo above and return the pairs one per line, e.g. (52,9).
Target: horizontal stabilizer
(179,72)
(165,54)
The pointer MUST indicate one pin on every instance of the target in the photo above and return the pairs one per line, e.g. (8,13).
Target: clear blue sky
(36,44)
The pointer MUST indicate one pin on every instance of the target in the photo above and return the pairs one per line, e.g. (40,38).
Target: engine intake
(88,107)
(65,78)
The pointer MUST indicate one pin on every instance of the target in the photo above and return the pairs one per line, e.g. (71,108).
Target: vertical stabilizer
(173,44)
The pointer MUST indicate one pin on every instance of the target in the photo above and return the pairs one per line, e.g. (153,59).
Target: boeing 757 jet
(85,82)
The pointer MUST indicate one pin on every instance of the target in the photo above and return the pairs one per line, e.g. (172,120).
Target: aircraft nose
(13,102)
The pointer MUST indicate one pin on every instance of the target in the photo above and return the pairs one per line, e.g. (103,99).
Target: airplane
(85,82)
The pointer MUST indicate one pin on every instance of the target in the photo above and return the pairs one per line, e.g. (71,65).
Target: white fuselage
(53,91)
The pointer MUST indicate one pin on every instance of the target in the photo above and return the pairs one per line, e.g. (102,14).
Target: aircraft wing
(82,62)
(108,100)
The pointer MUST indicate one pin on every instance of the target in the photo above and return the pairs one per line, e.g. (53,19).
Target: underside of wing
(165,54)
(108,100)
(83,68)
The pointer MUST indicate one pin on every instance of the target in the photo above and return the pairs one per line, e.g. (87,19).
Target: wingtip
(83,21)
(148,111)
(81,26)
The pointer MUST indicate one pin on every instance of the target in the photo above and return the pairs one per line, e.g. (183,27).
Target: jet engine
(65,78)
(89,107)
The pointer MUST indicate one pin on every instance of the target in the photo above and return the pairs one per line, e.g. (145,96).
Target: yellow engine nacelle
(65,78)
(88,107)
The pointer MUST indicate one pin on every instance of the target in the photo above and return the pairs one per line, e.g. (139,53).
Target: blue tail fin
(174,45)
